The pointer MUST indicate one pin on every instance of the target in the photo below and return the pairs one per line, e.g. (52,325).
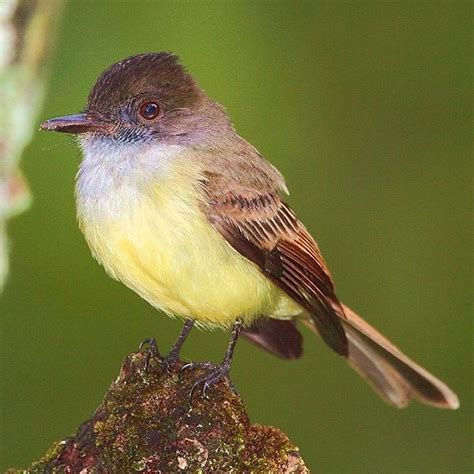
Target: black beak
(80,123)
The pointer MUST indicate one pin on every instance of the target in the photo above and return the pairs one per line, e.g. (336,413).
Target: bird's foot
(149,345)
(152,352)
(169,361)
(197,365)
(216,373)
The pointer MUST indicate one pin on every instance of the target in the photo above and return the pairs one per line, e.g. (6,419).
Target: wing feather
(262,228)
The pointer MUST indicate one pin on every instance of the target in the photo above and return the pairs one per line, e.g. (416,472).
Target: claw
(149,345)
(205,388)
(151,342)
(217,373)
(191,392)
(185,367)
(197,365)
(151,351)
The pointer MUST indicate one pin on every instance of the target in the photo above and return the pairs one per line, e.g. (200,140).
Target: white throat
(112,174)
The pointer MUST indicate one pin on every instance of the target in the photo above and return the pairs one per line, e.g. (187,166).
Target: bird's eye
(149,110)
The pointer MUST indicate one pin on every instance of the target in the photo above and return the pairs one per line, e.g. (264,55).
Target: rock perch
(146,424)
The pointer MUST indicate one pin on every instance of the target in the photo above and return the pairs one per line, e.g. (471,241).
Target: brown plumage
(280,338)
(266,231)
(155,74)
(262,228)
(228,182)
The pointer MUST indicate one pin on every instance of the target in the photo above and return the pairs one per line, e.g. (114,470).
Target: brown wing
(266,231)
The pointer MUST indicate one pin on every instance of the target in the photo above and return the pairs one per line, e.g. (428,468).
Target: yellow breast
(155,238)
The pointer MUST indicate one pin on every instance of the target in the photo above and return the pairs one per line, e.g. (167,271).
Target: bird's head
(146,98)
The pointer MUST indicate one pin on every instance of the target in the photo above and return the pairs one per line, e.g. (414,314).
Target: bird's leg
(216,372)
(173,355)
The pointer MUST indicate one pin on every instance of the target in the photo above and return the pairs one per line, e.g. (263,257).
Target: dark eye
(149,110)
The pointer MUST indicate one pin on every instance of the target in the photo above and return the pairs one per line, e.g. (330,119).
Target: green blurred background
(366,109)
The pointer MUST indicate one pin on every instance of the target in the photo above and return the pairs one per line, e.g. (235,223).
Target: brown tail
(395,377)
(280,338)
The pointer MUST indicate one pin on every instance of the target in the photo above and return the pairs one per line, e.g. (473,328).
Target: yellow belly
(162,247)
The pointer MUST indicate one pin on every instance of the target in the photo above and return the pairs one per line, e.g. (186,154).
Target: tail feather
(379,374)
(280,338)
(391,373)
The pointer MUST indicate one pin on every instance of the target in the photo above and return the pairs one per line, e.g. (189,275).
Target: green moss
(145,424)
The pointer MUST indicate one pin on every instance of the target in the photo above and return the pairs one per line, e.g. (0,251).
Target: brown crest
(156,74)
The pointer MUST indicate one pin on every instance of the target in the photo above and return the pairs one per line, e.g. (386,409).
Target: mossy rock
(146,424)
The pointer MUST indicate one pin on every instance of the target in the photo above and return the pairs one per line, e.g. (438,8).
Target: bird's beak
(80,123)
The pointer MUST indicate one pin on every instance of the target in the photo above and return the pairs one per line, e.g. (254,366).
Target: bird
(186,213)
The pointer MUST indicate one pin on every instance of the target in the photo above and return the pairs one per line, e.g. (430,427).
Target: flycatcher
(186,213)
